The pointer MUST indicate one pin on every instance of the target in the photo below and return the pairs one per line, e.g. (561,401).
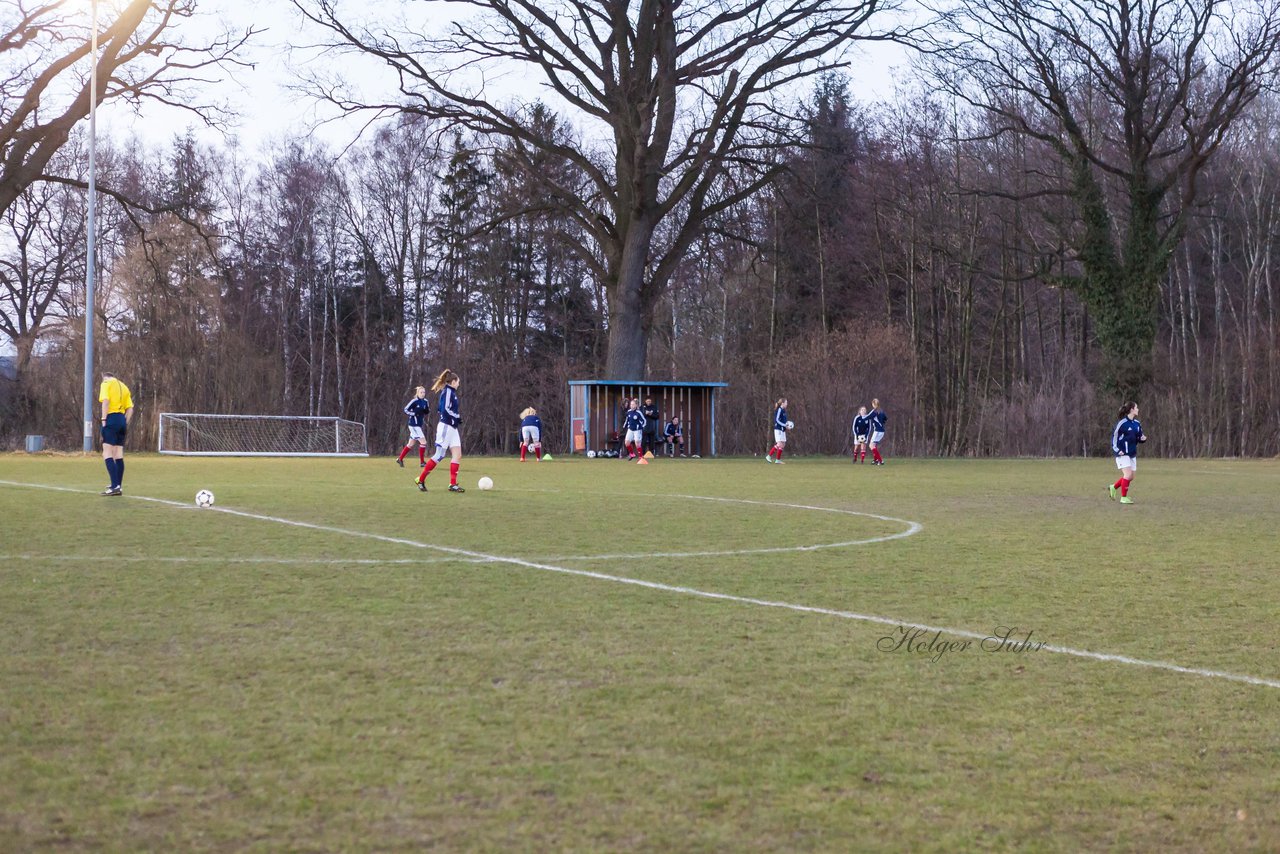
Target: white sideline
(687,591)
(307,561)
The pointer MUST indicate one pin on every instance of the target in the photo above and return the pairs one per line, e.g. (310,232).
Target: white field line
(249,560)
(690,591)
(911,529)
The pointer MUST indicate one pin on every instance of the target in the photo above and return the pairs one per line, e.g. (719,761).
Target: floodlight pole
(91,248)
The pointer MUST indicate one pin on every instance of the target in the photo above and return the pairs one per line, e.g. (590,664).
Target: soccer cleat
(1124,499)
(422,487)
(111,490)
(1111,490)
(768,459)
(422,464)
(453,487)
(400,462)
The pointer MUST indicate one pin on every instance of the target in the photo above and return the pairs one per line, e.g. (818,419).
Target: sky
(269,110)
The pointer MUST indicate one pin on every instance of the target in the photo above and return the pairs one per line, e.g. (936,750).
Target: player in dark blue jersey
(878,418)
(448,439)
(530,433)
(1125,439)
(634,423)
(861,432)
(417,410)
(674,434)
(780,427)
(652,423)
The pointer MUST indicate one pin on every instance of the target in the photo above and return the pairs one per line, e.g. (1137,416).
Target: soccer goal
(200,435)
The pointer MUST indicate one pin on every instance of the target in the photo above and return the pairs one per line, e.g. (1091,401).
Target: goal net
(198,434)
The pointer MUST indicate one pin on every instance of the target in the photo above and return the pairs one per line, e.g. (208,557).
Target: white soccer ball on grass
(485,483)
(204,498)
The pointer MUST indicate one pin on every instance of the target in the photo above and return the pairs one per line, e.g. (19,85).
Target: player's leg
(109,461)
(454,464)
(441,450)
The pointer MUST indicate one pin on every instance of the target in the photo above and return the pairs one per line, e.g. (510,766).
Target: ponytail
(780,401)
(446,376)
(1126,409)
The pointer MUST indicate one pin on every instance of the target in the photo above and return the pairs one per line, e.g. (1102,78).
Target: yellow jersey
(117,396)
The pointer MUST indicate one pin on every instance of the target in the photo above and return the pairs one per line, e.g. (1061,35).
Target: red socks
(1124,487)
(422,453)
(426,471)
(875,455)
(524,449)
(453,474)
(537,451)
(403,454)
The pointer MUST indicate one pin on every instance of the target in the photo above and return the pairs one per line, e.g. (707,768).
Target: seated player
(675,435)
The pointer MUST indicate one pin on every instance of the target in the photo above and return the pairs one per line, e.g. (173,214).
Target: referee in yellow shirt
(117,410)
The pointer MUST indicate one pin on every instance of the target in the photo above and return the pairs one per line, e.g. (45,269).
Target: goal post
(198,434)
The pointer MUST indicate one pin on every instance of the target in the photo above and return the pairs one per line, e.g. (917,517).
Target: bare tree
(1131,98)
(44,84)
(681,90)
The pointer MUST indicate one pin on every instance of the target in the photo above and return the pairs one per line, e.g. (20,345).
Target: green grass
(288,688)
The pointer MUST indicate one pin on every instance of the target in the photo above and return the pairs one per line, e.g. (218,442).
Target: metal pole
(91,248)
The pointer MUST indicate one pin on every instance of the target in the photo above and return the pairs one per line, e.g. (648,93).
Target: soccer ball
(591,455)
(485,483)
(791,425)
(204,498)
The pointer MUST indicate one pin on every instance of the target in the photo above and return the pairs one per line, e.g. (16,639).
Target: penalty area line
(1073,652)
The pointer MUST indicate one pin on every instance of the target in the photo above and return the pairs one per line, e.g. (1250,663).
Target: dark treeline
(898,256)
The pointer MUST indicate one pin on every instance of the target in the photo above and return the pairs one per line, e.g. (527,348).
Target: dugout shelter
(596,411)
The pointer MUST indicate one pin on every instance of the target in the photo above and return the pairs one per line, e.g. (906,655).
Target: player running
(447,436)
(1124,444)
(417,410)
(877,418)
(861,430)
(780,427)
(530,433)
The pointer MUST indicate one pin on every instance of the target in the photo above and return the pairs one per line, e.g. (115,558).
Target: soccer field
(694,655)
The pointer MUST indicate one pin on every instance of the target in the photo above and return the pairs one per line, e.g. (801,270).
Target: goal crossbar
(199,434)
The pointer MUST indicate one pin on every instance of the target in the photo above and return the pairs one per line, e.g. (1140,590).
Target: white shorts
(447,436)
(780,437)
(877,437)
(860,440)
(636,436)
(530,435)
(416,433)
(1123,462)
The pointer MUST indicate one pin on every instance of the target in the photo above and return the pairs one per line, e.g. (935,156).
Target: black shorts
(113,432)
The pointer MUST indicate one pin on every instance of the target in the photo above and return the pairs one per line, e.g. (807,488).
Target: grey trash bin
(35,444)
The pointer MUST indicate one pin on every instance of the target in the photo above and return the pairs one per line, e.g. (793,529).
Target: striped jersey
(448,408)
(417,410)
